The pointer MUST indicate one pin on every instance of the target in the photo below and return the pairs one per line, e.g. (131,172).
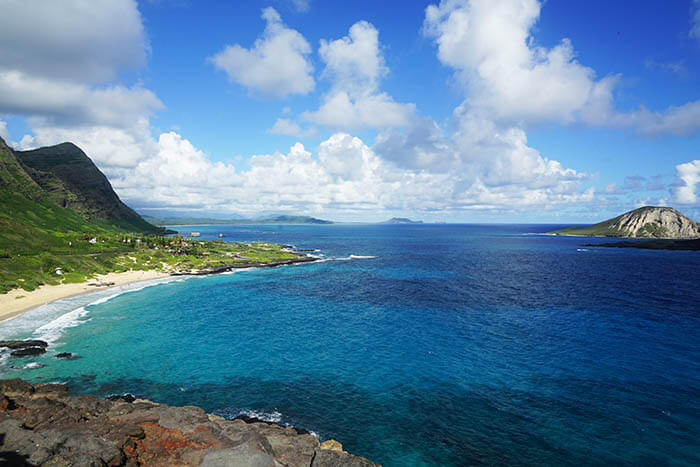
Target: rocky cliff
(645,222)
(42,425)
(71,180)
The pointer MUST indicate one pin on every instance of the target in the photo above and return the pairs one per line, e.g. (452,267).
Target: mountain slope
(645,222)
(71,180)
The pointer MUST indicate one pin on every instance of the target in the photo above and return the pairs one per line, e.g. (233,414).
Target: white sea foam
(49,321)
(52,331)
(274,417)
(351,257)
(581,249)
(31,366)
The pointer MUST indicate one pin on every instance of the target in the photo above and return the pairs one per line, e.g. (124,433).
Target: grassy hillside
(71,180)
(58,210)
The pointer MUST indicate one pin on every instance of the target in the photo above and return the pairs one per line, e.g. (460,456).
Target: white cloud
(345,178)
(683,120)
(4,134)
(89,41)
(506,75)
(288,127)
(688,175)
(355,65)
(695,27)
(302,6)
(339,110)
(509,79)
(277,64)
(51,101)
(109,147)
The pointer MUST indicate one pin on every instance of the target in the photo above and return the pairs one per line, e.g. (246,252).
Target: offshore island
(63,232)
(648,227)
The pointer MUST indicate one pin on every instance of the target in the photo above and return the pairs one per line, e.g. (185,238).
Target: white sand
(18,301)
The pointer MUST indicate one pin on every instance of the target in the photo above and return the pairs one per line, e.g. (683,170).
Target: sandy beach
(18,301)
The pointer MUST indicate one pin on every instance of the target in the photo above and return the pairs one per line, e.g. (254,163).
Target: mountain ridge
(70,179)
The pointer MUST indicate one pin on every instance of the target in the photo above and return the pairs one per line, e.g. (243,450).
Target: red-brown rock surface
(42,425)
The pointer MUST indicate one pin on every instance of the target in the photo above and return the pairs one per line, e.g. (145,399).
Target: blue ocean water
(413,344)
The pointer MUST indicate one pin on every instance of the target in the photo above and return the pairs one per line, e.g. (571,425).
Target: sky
(454,110)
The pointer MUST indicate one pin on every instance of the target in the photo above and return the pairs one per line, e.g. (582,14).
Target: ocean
(411,344)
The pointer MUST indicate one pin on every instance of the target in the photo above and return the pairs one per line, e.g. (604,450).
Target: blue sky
(459,110)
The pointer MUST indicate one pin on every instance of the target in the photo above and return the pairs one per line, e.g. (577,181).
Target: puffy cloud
(345,177)
(277,64)
(695,28)
(355,66)
(286,126)
(423,146)
(354,63)
(683,120)
(339,110)
(302,6)
(688,175)
(52,75)
(52,102)
(4,134)
(508,78)
(89,41)
(109,147)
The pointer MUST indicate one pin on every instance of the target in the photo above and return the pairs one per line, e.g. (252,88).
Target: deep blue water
(454,345)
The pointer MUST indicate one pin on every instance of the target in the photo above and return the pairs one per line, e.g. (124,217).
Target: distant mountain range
(645,222)
(283,219)
(401,220)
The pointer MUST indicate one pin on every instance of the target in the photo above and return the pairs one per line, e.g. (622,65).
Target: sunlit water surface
(430,345)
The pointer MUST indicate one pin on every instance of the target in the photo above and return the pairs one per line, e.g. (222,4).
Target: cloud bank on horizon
(360,152)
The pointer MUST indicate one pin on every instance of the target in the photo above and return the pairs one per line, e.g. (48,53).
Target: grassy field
(80,259)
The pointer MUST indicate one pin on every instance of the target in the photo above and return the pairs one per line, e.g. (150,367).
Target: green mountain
(43,199)
(645,222)
(71,180)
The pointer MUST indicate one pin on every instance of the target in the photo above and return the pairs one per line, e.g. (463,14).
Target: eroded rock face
(656,222)
(42,425)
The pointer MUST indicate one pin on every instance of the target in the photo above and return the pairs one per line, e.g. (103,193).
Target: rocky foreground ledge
(42,425)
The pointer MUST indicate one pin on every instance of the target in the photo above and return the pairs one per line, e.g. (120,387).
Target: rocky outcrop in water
(42,425)
(644,222)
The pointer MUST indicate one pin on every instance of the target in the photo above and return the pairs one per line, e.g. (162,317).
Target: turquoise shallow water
(430,345)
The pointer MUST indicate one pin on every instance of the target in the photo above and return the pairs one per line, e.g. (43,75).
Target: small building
(59,271)
(93,240)
(195,234)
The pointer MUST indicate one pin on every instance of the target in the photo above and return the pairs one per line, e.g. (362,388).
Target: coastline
(19,301)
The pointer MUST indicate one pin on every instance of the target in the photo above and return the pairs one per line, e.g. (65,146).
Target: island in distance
(401,220)
(644,222)
(662,228)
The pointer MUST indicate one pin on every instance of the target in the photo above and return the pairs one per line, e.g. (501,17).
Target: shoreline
(19,301)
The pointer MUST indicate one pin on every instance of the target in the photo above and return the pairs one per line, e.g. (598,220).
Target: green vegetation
(71,180)
(603,229)
(61,222)
(652,230)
